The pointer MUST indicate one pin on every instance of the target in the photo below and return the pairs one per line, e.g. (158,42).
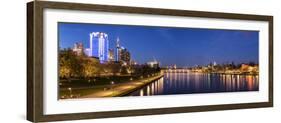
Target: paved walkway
(122,89)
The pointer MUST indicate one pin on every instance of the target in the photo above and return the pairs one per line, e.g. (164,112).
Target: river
(190,82)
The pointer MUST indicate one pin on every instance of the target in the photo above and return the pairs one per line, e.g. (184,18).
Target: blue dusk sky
(185,47)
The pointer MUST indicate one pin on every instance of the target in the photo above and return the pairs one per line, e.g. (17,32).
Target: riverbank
(124,88)
(115,90)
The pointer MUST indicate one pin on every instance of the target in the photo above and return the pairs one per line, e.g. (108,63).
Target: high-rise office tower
(99,46)
(122,54)
(78,48)
(125,55)
(118,49)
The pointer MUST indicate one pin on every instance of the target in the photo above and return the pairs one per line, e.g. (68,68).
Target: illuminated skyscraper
(99,46)
(118,49)
(122,54)
(125,56)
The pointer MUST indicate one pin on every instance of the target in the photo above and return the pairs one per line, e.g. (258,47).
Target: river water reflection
(187,83)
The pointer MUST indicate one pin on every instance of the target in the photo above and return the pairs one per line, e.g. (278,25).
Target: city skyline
(184,47)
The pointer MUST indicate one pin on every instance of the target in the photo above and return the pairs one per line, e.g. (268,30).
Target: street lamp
(112,87)
(70,92)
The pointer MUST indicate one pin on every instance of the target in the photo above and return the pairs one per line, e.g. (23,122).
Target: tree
(91,67)
(64,71)
(124,70)
(114,68)
(70,64)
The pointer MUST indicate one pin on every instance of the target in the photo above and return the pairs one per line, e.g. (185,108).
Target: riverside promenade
(124,88)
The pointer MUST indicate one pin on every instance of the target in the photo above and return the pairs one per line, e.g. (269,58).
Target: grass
(82,92)
(76,83)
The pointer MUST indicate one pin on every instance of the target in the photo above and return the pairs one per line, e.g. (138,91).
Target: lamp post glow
(70,92)
(112,87)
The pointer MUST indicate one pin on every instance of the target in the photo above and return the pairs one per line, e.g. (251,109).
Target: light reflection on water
(187,83)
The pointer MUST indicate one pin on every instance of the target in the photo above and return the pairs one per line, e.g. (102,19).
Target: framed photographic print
(96,61)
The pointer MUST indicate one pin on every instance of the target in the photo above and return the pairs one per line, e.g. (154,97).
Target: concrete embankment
(124,88)
(141,85)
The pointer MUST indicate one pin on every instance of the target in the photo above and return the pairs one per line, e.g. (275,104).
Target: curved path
(123,89)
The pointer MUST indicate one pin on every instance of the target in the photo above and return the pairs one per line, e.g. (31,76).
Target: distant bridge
(176,70)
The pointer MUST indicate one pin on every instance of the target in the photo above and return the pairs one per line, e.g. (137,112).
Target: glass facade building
(99,46)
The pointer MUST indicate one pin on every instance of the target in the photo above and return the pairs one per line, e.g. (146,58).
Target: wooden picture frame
(35,46)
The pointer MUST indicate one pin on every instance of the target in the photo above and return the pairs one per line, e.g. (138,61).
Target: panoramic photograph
(105,60)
